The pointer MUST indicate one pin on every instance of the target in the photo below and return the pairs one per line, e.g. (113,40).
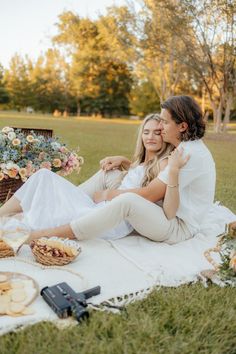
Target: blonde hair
(152,168)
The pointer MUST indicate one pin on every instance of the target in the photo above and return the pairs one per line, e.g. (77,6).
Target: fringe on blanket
(118,304)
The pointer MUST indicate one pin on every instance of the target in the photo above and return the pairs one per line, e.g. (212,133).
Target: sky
(26,26)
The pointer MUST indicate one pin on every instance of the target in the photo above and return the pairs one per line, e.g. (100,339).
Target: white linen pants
(49,200)
(146,217)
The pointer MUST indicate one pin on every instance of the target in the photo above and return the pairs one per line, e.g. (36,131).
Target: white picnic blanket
(130,266)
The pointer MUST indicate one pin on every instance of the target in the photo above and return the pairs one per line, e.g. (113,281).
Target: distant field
(186,320)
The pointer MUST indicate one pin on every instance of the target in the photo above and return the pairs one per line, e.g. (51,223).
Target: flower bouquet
(224,272)
(21,155)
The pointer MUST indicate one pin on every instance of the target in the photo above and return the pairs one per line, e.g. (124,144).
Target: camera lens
(81,315)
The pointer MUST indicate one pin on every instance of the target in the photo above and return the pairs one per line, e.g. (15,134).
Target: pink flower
(63,149)
(46,164)
(12,173)
(41,155)
(16,142)
(29,168)
(56,163)
(70,163)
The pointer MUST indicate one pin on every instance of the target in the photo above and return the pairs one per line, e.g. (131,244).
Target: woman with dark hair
(187,186)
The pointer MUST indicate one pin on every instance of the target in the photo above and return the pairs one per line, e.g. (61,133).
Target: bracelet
(172,186)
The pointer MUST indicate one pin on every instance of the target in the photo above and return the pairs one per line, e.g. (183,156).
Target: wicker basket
(5,250)
(50,260)
(47,133)
(9,186)
(45,258)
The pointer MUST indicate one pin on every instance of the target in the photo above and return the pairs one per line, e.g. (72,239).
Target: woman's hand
(63,231)
(114,162)
(100,196)
(34,235)
(176,160)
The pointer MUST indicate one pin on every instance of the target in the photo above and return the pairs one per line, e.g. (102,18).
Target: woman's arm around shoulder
(115,162)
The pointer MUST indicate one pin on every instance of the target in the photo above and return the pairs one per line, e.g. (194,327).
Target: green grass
(186,320)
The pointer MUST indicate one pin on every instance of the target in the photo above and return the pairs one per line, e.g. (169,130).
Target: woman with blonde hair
(48,200)
(142,153)
(118,166)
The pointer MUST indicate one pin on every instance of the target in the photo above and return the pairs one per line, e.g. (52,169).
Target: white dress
(49,200)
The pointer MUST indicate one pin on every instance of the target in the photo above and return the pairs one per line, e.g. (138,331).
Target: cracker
(17,284)
(18,295)
(28,311)
(3,308)
(5,298)
(16,307)
(5,286)
(13,314)
(3,278)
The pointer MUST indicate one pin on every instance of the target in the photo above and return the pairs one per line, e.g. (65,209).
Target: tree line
(131,59)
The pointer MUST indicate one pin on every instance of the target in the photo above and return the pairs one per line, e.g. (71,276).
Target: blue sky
(26,26)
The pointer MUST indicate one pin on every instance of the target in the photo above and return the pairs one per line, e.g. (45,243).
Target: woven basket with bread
(54,251)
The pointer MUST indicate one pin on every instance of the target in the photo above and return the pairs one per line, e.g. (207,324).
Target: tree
(173,42)
(4,97)
(141,37)
(101,84)
(207,31)
(17,82)
(49,77)
(143,99)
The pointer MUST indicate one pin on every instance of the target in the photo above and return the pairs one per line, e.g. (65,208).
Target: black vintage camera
(66,302)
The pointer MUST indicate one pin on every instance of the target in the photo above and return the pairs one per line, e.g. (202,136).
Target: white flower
(7,130)
(30,138)
(55,145)
(11,135)
(2,138)
(10,165)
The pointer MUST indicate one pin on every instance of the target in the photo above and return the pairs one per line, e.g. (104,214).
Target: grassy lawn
(186,320)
